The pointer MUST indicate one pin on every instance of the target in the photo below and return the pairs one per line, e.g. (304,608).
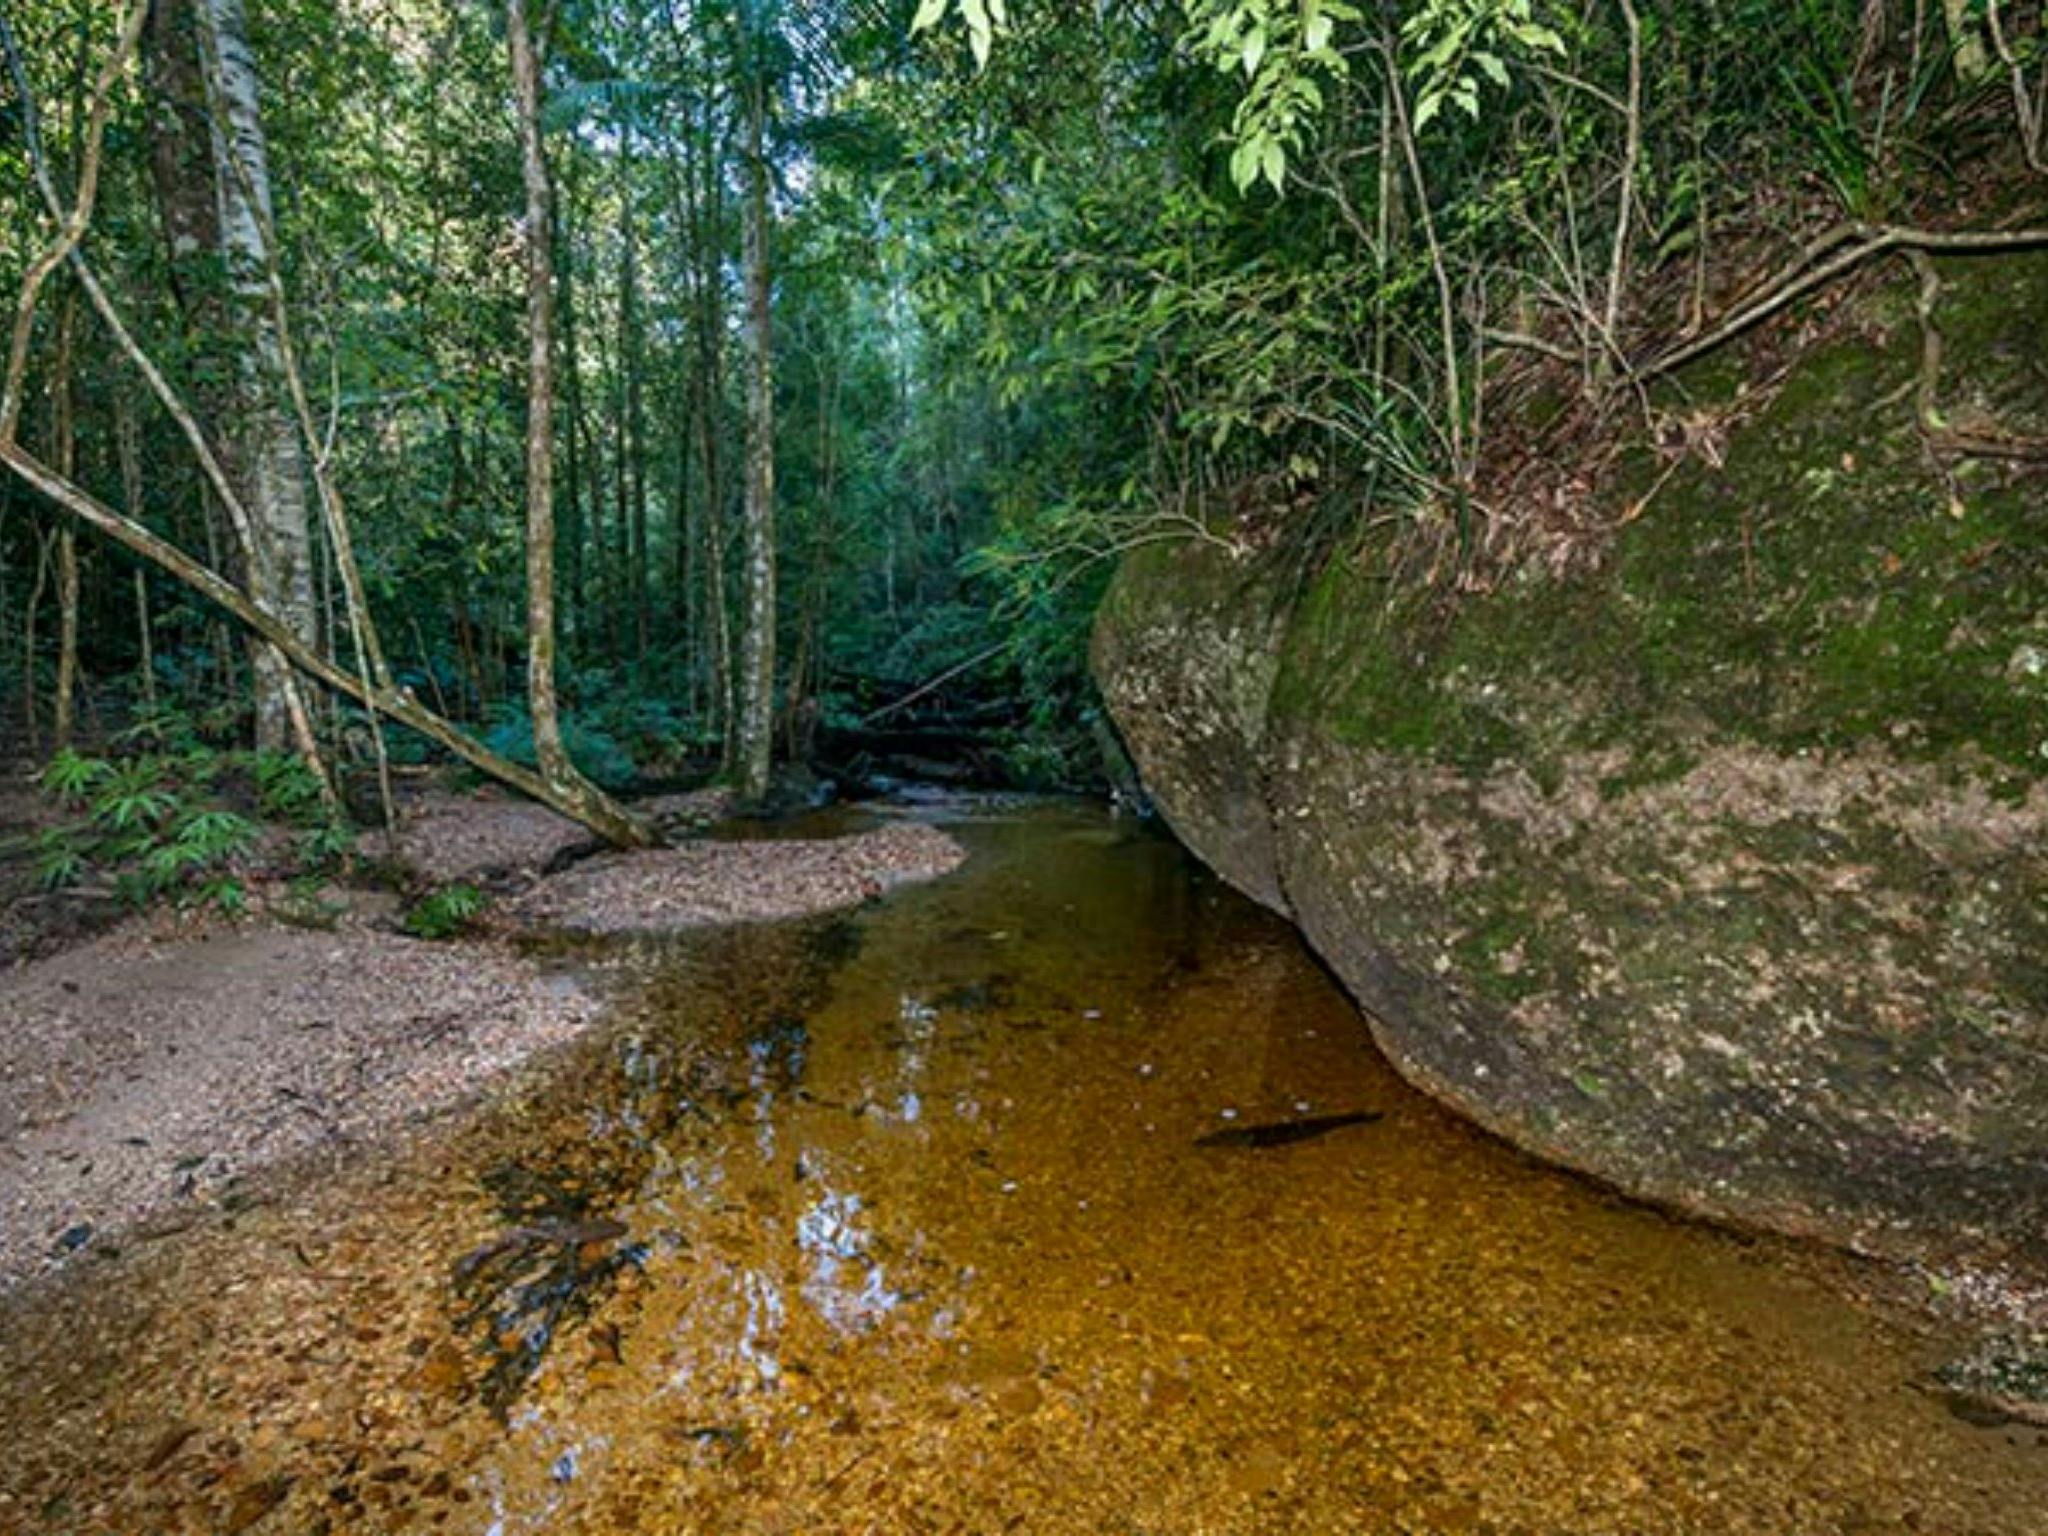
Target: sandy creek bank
(148,1072)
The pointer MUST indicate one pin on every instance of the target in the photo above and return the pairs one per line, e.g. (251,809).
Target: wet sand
(152,1071)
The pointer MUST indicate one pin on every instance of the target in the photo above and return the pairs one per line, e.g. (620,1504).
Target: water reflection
(846,1285)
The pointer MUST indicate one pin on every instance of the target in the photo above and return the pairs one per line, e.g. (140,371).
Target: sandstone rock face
(1717,868)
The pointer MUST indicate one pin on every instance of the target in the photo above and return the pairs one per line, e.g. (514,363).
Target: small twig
(1522,341)
(1940,437)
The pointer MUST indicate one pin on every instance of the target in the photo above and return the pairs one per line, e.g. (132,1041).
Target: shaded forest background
(1025,288)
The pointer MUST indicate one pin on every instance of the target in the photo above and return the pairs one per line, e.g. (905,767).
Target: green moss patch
(1827,586)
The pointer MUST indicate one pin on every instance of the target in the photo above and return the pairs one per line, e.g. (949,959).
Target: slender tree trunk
(718,616)
(553,758)
(574,539)
(757,662)
(806,667)
(479,685)
(30,684)
(128,446)
(682,605)
(64,710)
(64,445)
(710,383)
(632,345)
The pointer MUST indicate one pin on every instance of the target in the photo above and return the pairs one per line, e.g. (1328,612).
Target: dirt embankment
(144,1072)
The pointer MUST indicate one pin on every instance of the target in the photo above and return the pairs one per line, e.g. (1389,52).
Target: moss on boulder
(1718,867)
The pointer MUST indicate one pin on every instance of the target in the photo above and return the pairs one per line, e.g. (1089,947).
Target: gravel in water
(919,1220)
(142,1073)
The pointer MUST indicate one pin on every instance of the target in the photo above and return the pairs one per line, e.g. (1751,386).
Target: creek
(924,1219)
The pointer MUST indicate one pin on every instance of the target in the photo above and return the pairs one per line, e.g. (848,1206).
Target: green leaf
(1273,164)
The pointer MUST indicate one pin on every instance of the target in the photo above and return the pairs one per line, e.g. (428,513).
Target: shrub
(446,913)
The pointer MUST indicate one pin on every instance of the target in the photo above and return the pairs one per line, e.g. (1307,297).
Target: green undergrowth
(446,913)
(173,818)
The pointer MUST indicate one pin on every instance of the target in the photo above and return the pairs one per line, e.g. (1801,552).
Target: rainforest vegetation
(614,392)
(548,549)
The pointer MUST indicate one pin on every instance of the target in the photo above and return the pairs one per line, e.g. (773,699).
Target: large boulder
(1716,867)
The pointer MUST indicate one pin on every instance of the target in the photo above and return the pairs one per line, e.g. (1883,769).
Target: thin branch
(395,703)
(587,806)
(1631,160)
(71,230)
(910,698)
(1795,284)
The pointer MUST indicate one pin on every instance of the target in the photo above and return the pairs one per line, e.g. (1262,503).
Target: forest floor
(146,1069)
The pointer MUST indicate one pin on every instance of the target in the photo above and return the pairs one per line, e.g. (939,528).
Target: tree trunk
(181,161)
(632,344)
(573,799)
(266,457)
(757,662)
(553,758)
(181,175)
(710,385)
(575,541)
(578,801)
(31,724)
(128,446)
(806,667)
(64,445)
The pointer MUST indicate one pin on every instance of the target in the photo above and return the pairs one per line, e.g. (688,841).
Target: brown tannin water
(929,1219)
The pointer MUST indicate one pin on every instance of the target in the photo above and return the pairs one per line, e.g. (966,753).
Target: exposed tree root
(1838,253)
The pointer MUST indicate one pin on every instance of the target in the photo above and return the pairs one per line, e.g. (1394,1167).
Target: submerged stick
(1286,1133)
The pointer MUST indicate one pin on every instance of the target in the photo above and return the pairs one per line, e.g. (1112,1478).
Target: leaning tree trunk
(266,457)
(757,656)
(548,749)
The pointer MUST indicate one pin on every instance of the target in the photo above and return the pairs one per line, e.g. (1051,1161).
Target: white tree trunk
(266,454)
(757,652)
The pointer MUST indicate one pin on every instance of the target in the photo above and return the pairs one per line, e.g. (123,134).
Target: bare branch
(1795,284)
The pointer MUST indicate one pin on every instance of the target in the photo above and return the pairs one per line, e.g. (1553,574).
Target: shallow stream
(901,1222)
